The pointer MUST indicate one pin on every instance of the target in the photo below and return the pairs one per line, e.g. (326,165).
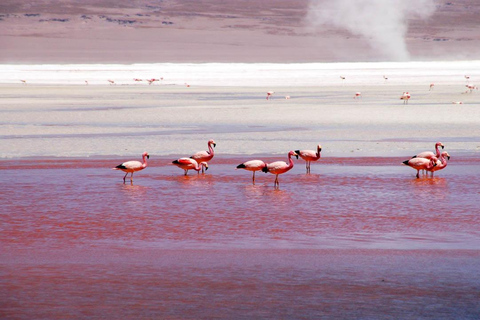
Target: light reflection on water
(77,242)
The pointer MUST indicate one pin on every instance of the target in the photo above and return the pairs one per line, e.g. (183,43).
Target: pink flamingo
(470,88)
(405,97)
(442,163)
(270,93)
(385,77)
(421,164)
(137,80)
(252,165)
(357,95)
(111,81)
(86,82)
(188,163)
(309,156)
(133,166)
(279,167)
(24,81)
(429,154)
(431,86)
(205,156)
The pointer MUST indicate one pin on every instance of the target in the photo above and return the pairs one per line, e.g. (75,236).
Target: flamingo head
(433,161)
(319,148)
(212,142)
(146,155)
(439,144)
(446,155)
(205,164)
(293,153)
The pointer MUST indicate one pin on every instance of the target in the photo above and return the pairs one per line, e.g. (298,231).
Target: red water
(356,238)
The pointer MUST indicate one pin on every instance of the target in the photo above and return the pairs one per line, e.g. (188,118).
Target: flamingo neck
(144,158)
(290,161)
(210,149)
(443,161)
(438,155)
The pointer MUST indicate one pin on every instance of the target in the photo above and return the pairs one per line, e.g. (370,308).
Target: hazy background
(125,31)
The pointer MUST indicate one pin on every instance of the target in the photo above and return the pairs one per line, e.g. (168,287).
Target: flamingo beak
(296,155)
(148,156)
(443,146)
(214,145)
(448,157)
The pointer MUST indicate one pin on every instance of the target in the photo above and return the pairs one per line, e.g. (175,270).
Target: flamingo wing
(252,165)
(130,165)
(307,155)
(425,155)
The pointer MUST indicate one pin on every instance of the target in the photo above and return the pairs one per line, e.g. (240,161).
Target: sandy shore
(80,121)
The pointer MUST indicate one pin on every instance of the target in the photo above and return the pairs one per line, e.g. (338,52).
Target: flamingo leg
(131,177)
(125,177)
(418,174)
(253,178)
(276,181)
(186,171)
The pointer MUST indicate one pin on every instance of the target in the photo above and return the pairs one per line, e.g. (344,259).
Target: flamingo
(431,86)
(357,95)
(457,102)
(188,163)
(421,164)
(442,163)
(429,154)
(205,156)
(470,88)
(279,167)
(252,165)
(309,156)
(24,81)
(111,81)
(467,77)
(132,166)
(270,93)
(405,97)
(287,97)
(385,77)
(137,80)
(86,82)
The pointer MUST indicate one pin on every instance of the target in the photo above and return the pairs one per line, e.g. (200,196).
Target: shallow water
(356,238)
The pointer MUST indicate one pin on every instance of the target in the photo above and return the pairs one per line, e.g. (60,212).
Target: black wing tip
(241,166)
(121,166)
(405,162)
(265,169)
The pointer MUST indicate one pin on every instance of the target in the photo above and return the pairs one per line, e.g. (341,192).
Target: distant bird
(133,166)
(421,164)
(431,86)
(287,97)
(405,97)
(24,81)
(270,93)
(429,154)
(137,80)
(309,156)
(385,77)
(442,163)
(111,82)
(190,164)
(470,88)
(357,95)
(279,167)
(342,77)
(457,102)
(205,156)
(150,81)
(467,77)
(86,82)
(252,165)
(187,85)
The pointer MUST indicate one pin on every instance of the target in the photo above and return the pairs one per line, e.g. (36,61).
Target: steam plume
(383,23)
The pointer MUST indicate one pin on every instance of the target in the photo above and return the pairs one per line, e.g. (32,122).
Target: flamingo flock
(427,161)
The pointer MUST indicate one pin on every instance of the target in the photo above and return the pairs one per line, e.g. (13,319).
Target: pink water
(357,238)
